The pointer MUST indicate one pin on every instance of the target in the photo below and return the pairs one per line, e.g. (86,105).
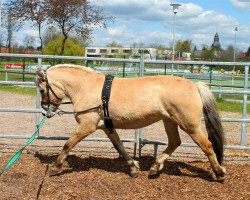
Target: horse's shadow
(172,168)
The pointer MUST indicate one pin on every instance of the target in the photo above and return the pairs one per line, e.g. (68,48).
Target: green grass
(17,77)
(18,89)
(231,106)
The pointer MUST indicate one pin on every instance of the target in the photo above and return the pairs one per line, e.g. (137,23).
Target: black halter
(48,88)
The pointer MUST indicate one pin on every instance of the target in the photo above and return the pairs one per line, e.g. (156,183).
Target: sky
(151,21)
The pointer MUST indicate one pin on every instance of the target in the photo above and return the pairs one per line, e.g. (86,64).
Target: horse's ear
(40,74)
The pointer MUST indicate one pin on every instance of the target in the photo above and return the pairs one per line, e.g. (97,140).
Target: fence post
(165,68)
(39,65)
(23,69)
(210,75)
(6,76)
(220,95)
(123,70)
(87,63)
(142,63)
(244,110)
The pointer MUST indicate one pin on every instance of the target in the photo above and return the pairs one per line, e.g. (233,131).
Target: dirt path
(107,178)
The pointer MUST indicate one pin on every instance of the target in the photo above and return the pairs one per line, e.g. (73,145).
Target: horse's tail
(212,120)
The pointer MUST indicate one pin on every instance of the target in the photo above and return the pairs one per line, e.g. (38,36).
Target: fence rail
(141,62)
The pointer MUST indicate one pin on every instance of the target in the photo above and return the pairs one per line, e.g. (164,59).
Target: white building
(131,52)
(120,52)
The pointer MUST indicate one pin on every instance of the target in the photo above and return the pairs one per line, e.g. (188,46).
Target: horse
(135,103)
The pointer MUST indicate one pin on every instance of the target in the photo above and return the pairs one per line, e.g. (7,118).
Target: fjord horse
(135,103)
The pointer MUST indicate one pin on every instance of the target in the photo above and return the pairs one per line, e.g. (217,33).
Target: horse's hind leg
(173,142)
(80,133)
(116,141)
(202,141)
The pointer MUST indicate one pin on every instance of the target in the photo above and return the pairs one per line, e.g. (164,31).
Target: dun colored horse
(135,103)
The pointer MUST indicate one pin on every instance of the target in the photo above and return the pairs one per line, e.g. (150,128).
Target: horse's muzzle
(48,113)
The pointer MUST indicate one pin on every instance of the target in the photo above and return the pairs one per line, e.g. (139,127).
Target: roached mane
(86,69)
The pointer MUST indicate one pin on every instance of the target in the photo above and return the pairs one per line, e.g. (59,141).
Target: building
(16,50)
(133,53)
(120,52)
(216,44)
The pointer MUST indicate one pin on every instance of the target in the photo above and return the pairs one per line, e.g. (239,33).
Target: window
(91,50)
(114,50)
(127,51)
(103,50)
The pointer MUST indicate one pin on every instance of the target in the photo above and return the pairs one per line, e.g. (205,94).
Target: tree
(72,48)
(137,45)
(28,10)
(49,34)
(114,44)
(228,54)
(248,52)
(208,54)
(11,26)
(75,16)
(183,46)
(29,42)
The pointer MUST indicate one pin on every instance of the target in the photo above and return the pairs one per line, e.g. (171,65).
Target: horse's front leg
(116,141)
(85,129)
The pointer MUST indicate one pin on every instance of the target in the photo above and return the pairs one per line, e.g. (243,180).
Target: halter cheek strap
(48,88)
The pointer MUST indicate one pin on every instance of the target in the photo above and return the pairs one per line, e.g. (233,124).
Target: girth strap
(105,100)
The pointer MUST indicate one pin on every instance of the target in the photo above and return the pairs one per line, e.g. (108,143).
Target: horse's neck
(75,83)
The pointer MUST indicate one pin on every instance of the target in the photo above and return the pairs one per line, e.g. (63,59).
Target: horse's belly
(134,122)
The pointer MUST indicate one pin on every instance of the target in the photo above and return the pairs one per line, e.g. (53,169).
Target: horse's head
(51,92)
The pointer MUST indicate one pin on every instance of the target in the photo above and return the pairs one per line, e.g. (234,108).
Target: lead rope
(18,154)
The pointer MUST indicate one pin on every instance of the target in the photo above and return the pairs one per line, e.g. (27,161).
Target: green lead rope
(18,154)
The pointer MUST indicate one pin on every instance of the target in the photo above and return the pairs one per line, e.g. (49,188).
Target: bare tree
(77,17)
(114,44)
(28,10)
(49,34)
(29,42)
(11,26)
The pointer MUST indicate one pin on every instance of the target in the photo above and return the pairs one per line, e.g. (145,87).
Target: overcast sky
(151,21)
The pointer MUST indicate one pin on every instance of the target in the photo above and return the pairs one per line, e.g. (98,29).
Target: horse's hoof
(134,174)
(220,179)
(135,168)
(153,172)
(220,176)
(54,171)
(153,176)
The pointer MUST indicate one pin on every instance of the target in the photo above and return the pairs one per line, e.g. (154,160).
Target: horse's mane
(83,68)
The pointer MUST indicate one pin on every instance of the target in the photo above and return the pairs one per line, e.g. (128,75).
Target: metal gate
(141,62)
